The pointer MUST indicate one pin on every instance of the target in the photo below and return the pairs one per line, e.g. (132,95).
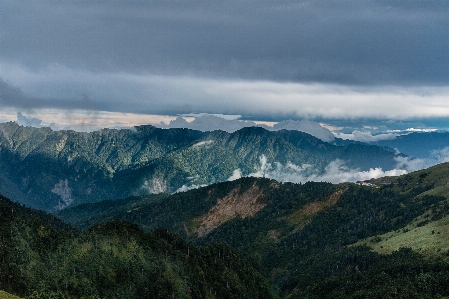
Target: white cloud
(441,155)
(335,172)
(185,188)
(264,169)
(155,186)
(421,130)
(224,116)
(415,164)
(366,136)
(236,174)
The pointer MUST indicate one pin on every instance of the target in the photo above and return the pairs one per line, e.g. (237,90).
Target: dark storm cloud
(11,96)
(344,42)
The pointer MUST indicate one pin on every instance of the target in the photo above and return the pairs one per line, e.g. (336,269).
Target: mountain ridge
(55,169)
(310,237)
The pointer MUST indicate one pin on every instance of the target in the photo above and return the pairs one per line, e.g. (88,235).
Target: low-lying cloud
(366,136)
(28,121)
(236,174)
(336,172)
(187,187)
(414,164)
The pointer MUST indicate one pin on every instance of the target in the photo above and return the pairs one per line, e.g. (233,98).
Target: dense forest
(306,238)
(42,257)
(248,238)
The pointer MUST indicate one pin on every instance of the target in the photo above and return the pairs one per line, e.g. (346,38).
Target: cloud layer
(266,59)
(345,42)
(260,99)
(337,172)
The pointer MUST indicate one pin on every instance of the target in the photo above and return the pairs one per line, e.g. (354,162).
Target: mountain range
(179,213)
(52,170)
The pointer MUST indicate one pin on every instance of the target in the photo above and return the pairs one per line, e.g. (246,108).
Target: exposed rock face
(234,205)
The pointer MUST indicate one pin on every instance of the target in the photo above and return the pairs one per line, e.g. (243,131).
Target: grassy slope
(430,239)
(424,233)
(4,295)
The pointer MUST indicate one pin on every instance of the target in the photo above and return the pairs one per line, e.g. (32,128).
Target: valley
(249,237)
(224,149)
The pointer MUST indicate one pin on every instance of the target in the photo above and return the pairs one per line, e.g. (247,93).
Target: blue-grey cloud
(28,121)
(11,96)
(210,123)
(265,60)
(344,42)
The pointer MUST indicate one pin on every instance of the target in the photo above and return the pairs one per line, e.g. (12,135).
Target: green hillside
(52,170)
(5,295)
(115,260)
(316,236)
(429,232)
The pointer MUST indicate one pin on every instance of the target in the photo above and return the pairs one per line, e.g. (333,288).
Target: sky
(357,67)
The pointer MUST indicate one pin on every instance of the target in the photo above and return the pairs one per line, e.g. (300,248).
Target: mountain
(52,170)
(210,122)
(314,240)
(42,257)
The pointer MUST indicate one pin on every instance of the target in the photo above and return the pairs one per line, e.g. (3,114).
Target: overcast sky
(265,60)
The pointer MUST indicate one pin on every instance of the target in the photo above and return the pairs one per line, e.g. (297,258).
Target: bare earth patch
(316,206)
(235,204)
(302,215)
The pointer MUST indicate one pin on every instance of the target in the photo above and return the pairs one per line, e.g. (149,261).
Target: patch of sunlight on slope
(438,175)
(431,239)
(438,191)
(4,295)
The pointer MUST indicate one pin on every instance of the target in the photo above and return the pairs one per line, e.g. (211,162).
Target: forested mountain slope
(51,170)
(305,235)
(302,238)
(41,257)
